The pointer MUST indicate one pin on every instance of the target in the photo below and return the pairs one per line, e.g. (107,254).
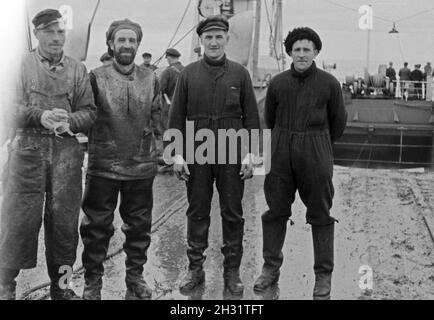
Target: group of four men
(118,106)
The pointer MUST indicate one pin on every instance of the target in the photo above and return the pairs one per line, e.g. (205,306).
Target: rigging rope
(175,33)
(272,36)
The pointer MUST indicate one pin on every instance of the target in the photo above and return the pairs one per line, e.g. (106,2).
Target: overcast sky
(335,20)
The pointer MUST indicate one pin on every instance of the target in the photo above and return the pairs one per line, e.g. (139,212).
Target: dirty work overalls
(301,159)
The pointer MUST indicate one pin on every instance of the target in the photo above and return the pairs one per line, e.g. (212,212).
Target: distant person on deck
(147,58)
(417,75)
(390,72)
(428,70)
(168,79)
(404,73)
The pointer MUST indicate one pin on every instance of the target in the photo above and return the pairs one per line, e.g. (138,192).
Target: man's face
(146,60)
(214,42)
(51,39)
(303,52)
(124,46)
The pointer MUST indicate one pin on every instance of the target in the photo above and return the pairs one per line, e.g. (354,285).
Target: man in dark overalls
(43,174)
(304,109)
(121,161)
(214,93)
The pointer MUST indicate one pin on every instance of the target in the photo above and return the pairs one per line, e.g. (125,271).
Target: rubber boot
(8,284)
(323,237)
(233,282)
(138,290)
(194,278)
(92,286)
(273,235)
(266,280)
(60,291)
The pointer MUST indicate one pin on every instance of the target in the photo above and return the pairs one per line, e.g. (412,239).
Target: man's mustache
(126,50)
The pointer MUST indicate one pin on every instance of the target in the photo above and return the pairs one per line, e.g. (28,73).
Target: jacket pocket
(233,98)
(317,114)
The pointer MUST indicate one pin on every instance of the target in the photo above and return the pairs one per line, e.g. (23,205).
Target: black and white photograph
(240,151)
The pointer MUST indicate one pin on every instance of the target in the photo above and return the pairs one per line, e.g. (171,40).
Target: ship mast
(256,37)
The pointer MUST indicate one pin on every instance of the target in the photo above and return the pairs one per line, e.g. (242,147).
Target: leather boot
(192,279)
(266,280)
(56,292)
(273,235)
(92,286)
(138,290)
(233,282)
(8,284)
(323,237)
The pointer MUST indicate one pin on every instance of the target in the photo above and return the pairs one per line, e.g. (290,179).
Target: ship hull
(387,133)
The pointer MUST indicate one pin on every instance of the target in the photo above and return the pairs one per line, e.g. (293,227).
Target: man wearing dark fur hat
(121,161)
(43,176)
(215,93)
(305,110)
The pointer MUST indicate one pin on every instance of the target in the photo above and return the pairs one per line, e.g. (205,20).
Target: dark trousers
(302,162)
(99,203)
(199,193)
(43,181)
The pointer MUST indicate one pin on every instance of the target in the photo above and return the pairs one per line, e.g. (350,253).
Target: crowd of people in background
(406,74)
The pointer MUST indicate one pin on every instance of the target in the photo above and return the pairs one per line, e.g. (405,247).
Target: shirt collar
(304,74)
(45,61)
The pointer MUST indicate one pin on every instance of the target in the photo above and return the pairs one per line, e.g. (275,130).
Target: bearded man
(121,160)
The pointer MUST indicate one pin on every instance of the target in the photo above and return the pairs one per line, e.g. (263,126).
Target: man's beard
(125,60)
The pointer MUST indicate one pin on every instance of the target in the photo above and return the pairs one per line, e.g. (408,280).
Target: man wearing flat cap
(147,57)
(121,161)
(304,109)
(417,75)
(168,80)
(44,177)
(214,93)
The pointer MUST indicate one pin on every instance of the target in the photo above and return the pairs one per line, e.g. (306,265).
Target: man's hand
(48,119)
(180,168)
(61,115)
(62,127)
(247,167)
(51,118)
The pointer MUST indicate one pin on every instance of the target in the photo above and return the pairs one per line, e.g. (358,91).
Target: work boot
(323,237)
(57,293)
(92,287)
(233,282)
(8,284)
(138,290)
(192,279)
(266,280)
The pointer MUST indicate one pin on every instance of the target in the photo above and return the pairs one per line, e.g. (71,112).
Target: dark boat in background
(389,125)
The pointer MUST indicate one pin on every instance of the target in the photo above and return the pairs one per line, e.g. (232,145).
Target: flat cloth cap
(218,22)
(46,17)
(173,52)
(119,25)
